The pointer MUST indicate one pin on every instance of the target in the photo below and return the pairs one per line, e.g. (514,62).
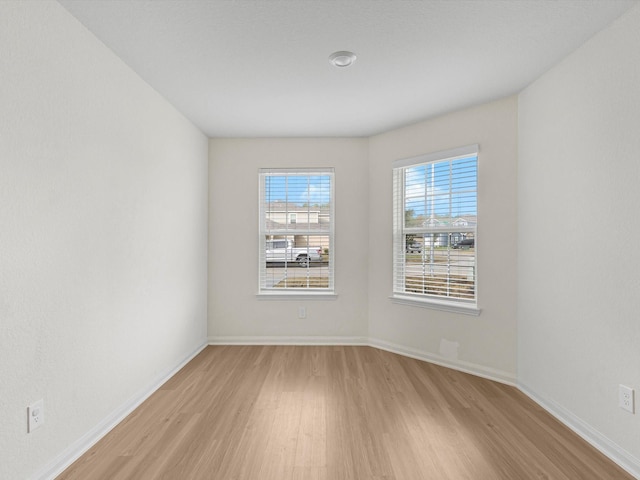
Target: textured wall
(234,309)
(486,344)
(578,198)
(103,190)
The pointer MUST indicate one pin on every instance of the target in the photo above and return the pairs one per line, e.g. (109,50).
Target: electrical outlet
(625,398)
(35,414)
(302,312)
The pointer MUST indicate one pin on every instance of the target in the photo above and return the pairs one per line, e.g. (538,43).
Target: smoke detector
(342,59)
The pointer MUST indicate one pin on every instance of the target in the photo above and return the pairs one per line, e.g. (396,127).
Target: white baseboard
(617,454)
(288,340)
(606,446)
(84,443)
(466,367)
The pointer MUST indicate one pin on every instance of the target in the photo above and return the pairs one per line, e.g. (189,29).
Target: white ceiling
(259,68)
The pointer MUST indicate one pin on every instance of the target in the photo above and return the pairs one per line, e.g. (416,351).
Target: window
(296,231)
(435,221)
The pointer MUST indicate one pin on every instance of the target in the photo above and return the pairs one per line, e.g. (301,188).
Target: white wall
(578,206)
(235,313)
(487,343)
(103,238)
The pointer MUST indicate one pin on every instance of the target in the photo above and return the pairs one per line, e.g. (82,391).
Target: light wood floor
(336,413)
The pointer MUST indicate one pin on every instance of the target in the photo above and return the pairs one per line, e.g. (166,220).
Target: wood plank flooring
(336,413)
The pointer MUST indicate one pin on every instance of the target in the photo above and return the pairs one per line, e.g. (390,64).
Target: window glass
(296,230)
(435,227)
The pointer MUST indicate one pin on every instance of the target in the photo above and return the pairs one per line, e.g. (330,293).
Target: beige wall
(486,344)
(104,237)
(578,199)
(363,236)
(103,212)
(235,313)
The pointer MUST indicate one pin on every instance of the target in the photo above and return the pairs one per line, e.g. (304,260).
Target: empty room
(319,240)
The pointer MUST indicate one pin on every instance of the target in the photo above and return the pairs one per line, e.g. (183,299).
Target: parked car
(414,248)
(284,251)
(466,243)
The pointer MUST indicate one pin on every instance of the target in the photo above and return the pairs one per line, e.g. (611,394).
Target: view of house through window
(435,224)
(296,230)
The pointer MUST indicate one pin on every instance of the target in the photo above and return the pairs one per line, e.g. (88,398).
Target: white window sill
(454,307)
(297,295)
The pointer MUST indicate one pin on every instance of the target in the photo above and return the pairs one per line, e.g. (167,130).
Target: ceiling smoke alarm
(342,59)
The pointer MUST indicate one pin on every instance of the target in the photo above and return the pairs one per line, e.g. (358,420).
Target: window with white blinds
(435,219)
(296,239)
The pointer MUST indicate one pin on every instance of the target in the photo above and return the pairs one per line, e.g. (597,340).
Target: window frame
(400,231)
(265,292)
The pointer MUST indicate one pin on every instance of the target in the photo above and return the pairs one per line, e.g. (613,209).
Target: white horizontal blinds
(296,229)
(435,223)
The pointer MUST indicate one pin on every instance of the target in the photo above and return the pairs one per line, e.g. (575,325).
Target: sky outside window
(443,190)
(301,190)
